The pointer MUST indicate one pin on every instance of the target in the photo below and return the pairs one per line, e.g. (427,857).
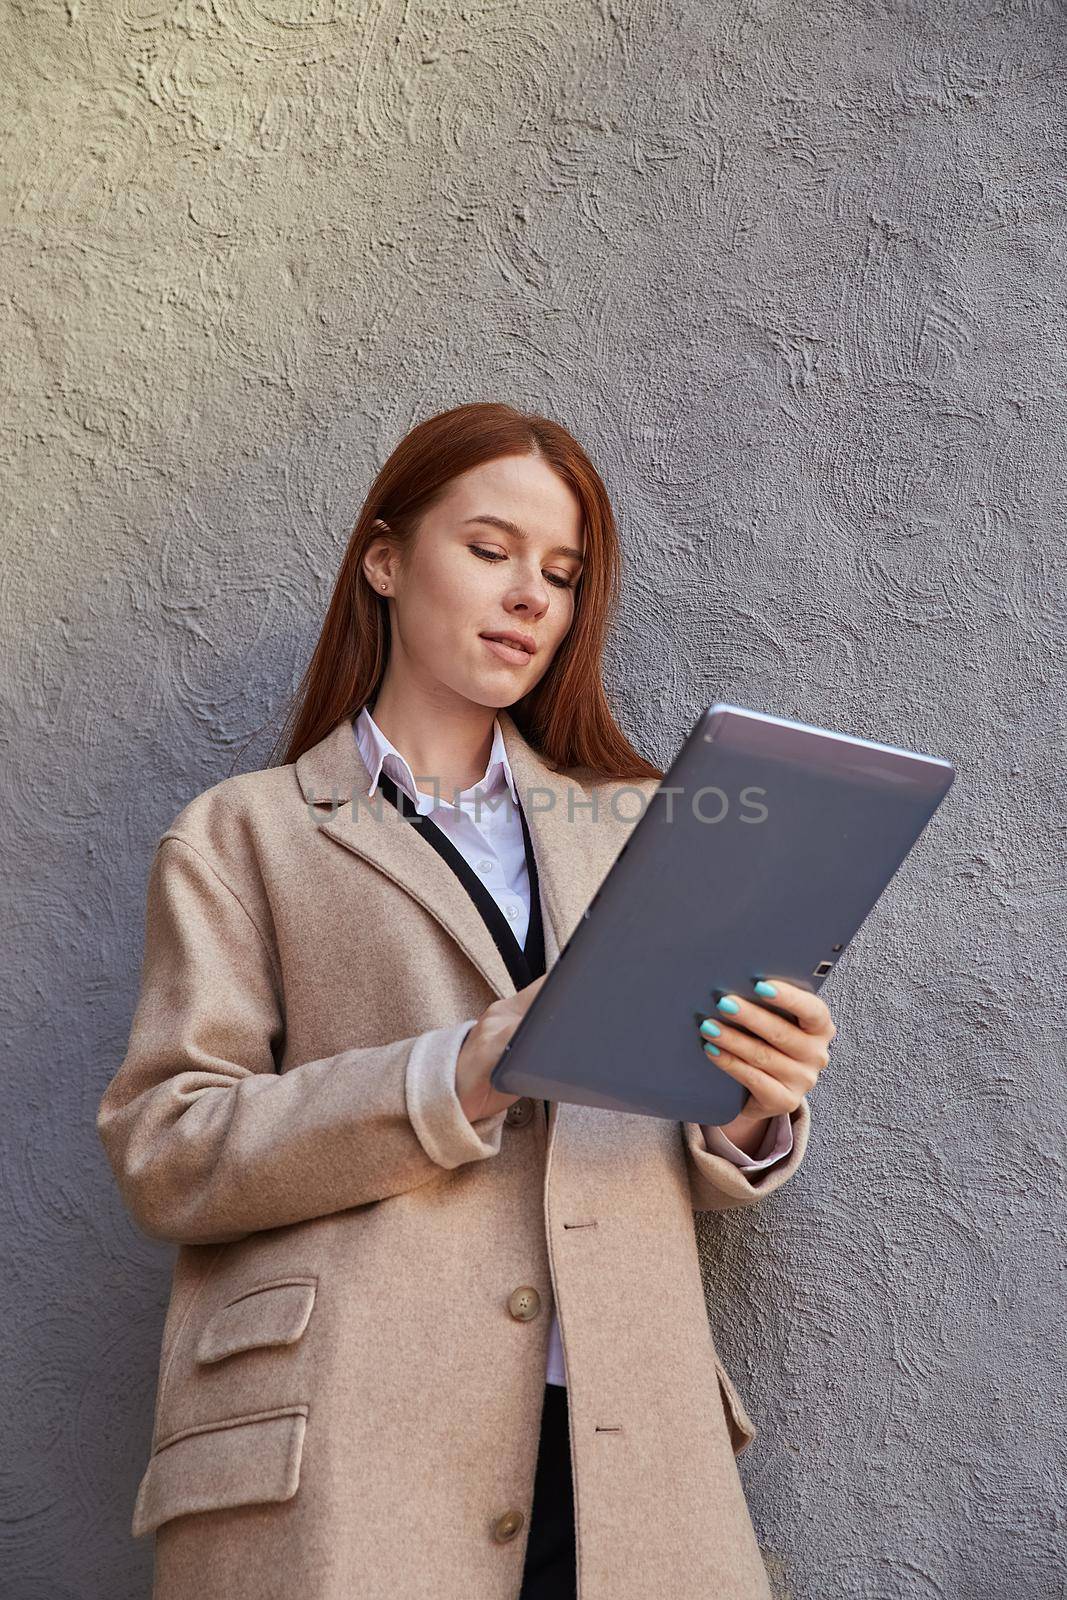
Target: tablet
(762,852)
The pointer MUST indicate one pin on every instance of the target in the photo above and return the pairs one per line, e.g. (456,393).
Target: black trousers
(550,1571)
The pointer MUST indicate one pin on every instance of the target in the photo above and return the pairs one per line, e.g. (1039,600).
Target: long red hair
(566,716)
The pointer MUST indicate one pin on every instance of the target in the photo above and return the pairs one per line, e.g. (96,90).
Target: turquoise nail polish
(712,1049)
(766,988)
(726,1004)
(711,1029)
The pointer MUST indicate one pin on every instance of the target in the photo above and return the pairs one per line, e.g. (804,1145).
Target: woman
(382,1260)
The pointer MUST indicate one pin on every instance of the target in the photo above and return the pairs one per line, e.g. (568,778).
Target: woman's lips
(508,652)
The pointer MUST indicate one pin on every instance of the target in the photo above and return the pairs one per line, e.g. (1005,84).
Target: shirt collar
(380,753)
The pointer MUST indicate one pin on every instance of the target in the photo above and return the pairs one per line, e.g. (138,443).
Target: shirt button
(519,1113)
(524,1303)
(507,1526)
(485,866)
(513,912)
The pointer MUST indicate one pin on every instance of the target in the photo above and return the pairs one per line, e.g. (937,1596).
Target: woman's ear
(381,528)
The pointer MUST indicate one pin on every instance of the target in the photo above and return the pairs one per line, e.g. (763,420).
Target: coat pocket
(237,1462)
(270,1313)
(742,1428)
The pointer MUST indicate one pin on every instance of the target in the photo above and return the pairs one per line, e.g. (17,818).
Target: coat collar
(572,850)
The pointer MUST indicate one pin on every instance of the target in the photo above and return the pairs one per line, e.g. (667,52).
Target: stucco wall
(795,275)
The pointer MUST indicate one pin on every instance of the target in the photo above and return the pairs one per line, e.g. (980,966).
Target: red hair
(566,716)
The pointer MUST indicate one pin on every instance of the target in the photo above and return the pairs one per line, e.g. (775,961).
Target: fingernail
(712,1049)
(765,988)
(726,1004)
(711,1029)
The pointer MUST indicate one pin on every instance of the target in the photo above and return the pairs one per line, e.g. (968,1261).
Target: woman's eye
(494,555)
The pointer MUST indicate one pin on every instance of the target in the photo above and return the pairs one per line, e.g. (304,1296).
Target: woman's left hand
(783,1063)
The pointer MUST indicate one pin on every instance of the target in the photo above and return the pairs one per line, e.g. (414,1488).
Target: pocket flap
(233,1463)
(271,1313)
(741,1426)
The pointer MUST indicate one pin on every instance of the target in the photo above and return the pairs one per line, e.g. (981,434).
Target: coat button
(524,1303)
(507,1526)
(518,1114)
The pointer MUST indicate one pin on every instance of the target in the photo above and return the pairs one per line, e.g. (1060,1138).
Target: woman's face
(466,576)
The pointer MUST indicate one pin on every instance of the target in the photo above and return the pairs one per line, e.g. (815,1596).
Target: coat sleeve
(717,1184)
(207,1140)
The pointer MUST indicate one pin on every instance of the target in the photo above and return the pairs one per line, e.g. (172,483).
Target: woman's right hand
(482,1049)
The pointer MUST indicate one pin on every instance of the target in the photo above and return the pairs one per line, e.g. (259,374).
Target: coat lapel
(572,853)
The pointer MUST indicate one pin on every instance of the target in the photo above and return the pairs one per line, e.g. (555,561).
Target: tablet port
(822,969)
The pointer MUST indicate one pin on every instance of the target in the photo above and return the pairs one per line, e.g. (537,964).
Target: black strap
(524,962)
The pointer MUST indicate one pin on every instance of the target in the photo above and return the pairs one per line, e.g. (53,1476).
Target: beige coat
(349,1390)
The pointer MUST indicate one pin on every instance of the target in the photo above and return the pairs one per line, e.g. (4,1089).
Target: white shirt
(493,846)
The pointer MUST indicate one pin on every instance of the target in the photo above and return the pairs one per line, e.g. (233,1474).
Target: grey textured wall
(795,275)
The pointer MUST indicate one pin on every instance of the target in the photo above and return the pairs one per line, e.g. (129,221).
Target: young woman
(426,1341)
